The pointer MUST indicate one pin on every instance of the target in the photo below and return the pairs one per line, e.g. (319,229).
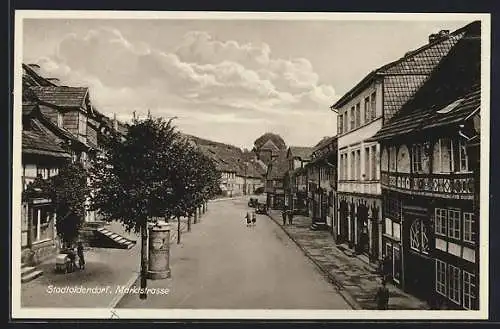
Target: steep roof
(416,65)
(226,157)
(454,89)
(37,142)
(32,78)
(269,146)
(62,96)
(302,152)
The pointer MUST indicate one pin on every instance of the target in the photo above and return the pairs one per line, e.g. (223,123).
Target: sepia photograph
(219,165)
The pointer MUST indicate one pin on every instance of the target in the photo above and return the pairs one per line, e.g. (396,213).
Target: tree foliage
(153,172)
(68,191)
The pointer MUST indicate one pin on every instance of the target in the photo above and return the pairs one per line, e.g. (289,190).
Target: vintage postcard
(189,165)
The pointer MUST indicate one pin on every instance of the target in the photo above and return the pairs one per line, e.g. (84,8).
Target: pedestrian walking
(81,256)
(254,218)
(249,219)
(283,214)
(290,217)
(72,259)
(382,296)
(386,268)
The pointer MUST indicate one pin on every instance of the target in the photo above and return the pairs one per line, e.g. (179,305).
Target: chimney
(115,122)
(438,36)
(433,37)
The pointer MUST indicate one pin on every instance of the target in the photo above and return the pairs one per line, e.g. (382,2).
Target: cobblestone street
(348,272)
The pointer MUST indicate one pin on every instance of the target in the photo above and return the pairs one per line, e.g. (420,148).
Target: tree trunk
(144,258)
(178,229)
(195,217)
(189,223)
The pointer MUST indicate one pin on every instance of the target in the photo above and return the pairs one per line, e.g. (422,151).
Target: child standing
(254,218)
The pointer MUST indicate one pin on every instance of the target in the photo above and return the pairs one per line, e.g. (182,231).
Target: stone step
(27,270)
(31,276)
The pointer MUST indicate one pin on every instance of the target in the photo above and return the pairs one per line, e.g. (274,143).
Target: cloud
(240,82)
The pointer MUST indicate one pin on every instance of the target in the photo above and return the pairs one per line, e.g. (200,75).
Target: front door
(396,263)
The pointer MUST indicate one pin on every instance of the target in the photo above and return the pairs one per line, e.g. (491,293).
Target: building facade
(322,182)
(362,112)
(429,169)
(295,190)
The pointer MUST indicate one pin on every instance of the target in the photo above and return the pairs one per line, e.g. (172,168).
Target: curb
(225,199)
(340,288)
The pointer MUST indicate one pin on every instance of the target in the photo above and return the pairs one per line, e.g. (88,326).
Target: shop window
(469,234)
(454,283)
(440,221)
(441,277)
(454,224)
(468,290)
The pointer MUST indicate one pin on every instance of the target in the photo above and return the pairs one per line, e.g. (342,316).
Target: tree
(68,191)
(152,172)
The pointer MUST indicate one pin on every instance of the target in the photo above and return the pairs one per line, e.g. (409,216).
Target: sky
(225,80)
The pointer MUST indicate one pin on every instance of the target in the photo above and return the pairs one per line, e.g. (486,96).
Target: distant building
(322,182)
(276,171)
(296,189)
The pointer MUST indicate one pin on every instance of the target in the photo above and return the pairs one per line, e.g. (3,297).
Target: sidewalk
(104,268)
(356,280)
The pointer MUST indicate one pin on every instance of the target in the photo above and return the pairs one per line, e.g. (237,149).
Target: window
(367,163)
(352,172)
(468,289)
(454,224)
(373,106)
(440,221)
(358,115)
(368,115)
(353,119)
(358,165)
(393,207)
(418,237)
(60,119)
(441,277)
(417,158)
(462,155)
(392,158)
(469,233)
(341,167)
(388,226)
(454,283)
(346,128)
(445,163)
(341,124)
(374,161)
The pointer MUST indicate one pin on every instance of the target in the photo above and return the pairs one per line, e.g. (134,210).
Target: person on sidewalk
(283,214)
(386,268)
(249,219)
(382,296)
(81,256)
(254,218)
(290,217)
